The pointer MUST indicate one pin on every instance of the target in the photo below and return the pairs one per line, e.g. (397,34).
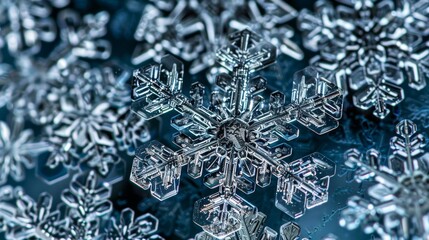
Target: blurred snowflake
(92,122)
(238,138)
(195,30)
(24,24)
(81,37)
(367,46)
(83,214)
(25,86)
(17,150)
(397,207)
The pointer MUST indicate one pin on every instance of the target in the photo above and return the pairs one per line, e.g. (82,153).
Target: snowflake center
(368,38)
(234,132)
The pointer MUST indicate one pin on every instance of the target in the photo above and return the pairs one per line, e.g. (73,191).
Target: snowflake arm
(130,228)
(17,150)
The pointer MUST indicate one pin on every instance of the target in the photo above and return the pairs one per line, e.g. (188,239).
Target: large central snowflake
(398,206)
(370,46)
(237,140)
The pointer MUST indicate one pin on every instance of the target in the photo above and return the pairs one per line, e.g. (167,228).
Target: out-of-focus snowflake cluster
(84,109)
(236,140)
(85,213)
(194,30)
(397,207)
(18,150)
(25,86)
(370,47)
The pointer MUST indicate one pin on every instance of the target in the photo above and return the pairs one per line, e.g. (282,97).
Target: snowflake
(93,122)
(83,214)
(238,139)
(17,150)
(25,87)
(81,37)
(195,30)
(367,46)
(24,24)
(25,90)
(397,207)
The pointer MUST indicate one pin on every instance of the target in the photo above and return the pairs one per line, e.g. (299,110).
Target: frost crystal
(397,207)
(196,29)
(367,46)
(236,140)
(17,151)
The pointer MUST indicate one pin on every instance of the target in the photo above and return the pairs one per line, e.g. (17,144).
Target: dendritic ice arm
(128,228)
(81,37)
(397,207)
(253,229)
(233,140)
(17,150)
(88,201)
(370,48)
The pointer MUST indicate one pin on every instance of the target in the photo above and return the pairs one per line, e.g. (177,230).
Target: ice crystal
(17,150)
(92,122)
(195,30)
(370,47)
(83,214)
(25,87)
(253,229)
(129,228)
(24,24)
(88,201)
(238,139)
(25,90)
(81,37)
(397,207)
